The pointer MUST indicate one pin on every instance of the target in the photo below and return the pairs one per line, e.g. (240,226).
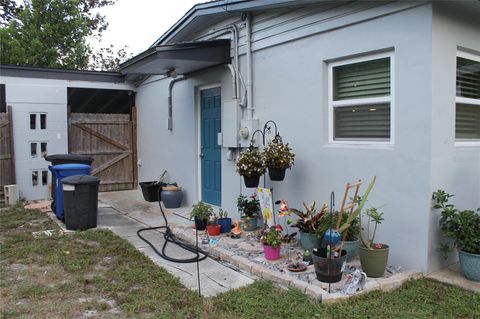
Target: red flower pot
(214,230)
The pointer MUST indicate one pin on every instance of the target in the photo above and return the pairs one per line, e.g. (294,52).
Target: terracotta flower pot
(214,230)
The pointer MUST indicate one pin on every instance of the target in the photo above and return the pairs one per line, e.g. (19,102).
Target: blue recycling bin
(58,173)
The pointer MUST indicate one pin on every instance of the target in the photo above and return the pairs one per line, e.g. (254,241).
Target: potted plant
(250,165)
(308,225)
(201,213)
(278,157)
(272,241)
(249,209)
(213,227)
(329,261)
(224,221)
(464,228)
(351,239)
(373,256)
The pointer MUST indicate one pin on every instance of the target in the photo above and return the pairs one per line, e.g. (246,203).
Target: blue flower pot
(470,264)
(351,247)
(249,224)
(226,224)
(309,241)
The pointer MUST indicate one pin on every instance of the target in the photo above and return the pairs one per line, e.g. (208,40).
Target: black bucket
(328,270)
(151,190)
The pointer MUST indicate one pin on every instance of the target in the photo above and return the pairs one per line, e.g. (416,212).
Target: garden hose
(170,238)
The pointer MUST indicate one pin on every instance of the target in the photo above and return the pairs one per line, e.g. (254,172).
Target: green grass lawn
(96,272)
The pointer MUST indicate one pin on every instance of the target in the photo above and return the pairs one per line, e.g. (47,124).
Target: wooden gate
(7,162)
(111,140)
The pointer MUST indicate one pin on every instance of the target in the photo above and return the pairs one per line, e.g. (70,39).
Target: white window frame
(464,100)
(362,101)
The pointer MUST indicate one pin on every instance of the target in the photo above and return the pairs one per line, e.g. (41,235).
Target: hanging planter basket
(276,173)
(328,270)
(251,181)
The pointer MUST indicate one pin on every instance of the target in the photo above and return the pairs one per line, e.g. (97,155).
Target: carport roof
(59,74)
(184,58)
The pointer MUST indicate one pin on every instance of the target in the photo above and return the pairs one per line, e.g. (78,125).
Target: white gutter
(236,72)
(234,81)
(250,105)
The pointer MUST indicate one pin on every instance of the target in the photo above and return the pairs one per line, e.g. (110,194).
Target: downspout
(250,106)
(234,70)
(234,31)
(170,101)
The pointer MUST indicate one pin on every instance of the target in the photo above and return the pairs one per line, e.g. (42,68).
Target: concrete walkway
(125,212)
(452,275)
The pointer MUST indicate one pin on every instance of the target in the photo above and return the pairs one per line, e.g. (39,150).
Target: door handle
(201,155)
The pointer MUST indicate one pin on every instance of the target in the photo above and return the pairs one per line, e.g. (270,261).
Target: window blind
(468,78)
(362,122)
(362,80)
(467,121)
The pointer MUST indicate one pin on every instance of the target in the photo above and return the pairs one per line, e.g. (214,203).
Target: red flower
(378,246)
(278,227)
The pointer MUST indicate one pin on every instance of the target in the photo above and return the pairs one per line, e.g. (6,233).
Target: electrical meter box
(231,116)
(248,127)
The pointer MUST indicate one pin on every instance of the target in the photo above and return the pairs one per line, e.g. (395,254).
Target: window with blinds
(467,114)
(360,100)
(361,80)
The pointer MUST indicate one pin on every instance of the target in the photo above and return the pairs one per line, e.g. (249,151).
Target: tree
(107,59)
(9,10)
(53,33)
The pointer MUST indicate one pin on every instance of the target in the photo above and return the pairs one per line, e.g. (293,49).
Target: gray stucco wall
(455,169)
(177,151)
(290,87)
(41,96)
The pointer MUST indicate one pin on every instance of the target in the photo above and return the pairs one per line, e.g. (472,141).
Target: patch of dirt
(49,291)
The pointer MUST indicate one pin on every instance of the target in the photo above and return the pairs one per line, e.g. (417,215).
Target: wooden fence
(7,162)
(111,140)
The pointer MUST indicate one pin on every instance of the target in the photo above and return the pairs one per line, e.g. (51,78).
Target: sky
(138,23)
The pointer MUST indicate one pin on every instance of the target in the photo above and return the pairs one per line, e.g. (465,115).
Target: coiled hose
(170,238)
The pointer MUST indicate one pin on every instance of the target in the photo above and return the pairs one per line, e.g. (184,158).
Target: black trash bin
(80,194)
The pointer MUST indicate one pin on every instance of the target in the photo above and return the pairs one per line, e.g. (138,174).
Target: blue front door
(211,159)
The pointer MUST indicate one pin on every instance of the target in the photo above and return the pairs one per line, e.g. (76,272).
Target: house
(359,89)
(54,111)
